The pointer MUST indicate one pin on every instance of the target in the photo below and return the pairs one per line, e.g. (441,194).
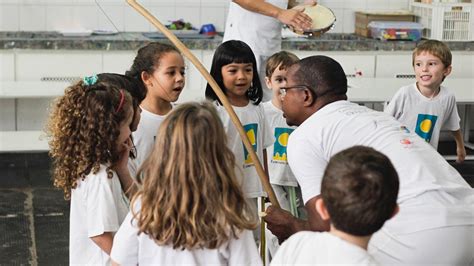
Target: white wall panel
(118,62)
(7,66)
(390,65)
(33,65)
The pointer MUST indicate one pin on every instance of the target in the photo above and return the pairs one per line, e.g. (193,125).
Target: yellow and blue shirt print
(425,125)
(251,130)
(281,141)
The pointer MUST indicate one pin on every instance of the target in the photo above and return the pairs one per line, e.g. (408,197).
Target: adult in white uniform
(436,204)
(258,23)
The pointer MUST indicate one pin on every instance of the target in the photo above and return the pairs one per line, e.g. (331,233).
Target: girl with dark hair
(235,71)
(160,67)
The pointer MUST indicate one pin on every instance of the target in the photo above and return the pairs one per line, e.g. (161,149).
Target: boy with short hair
(426,107)
(281,178)
(358,194)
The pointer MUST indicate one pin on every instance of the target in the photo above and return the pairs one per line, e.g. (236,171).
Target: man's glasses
(284,89)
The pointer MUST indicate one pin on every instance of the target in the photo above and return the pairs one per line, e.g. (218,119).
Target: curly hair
(83,127)
(190,196)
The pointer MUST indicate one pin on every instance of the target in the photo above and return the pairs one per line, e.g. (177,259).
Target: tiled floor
(34,217)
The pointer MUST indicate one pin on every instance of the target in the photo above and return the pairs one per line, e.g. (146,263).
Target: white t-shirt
(144,138)
(97,206)
(422,170)
(278,169)
(253,120)
(315,248)
(427,117)
(132,249)
(262,33)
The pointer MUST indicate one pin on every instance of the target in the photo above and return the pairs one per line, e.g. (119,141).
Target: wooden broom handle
(186,52)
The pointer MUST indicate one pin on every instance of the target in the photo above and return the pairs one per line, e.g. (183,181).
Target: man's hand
(282,224)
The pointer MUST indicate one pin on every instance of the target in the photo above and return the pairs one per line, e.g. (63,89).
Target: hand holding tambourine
(322,20)
(295,17)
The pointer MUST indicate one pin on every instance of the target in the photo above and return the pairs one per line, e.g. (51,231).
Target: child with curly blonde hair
(191,209)
(89,127)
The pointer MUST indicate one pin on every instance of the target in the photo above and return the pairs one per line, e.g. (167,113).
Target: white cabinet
(195,82)
(399,65)
(7,115)
(117,62)
(394,65)
(7,73)
(7,66)
(354,64)
(463,65)
(46,65)
(36,65)
(30,113)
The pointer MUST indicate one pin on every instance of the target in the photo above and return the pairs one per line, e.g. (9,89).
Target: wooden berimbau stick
(225,102)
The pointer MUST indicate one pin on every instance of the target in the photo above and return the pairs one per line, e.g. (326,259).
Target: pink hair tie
(122,98)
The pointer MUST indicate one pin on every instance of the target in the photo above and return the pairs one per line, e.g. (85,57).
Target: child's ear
(395,211)
(321,209)
(145,77)
(448,70)
(268,83)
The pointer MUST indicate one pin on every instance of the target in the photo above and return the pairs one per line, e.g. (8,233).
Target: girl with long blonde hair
(191,209)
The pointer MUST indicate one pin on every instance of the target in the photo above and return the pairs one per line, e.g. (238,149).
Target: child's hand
(461,153)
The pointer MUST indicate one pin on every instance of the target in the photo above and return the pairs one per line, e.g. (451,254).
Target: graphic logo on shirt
(251,130)
(281,141)
(425,125)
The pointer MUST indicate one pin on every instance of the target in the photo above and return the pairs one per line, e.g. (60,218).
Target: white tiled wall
(49,15)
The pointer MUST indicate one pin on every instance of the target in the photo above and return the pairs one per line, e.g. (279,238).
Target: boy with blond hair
(425,106)
(281,177)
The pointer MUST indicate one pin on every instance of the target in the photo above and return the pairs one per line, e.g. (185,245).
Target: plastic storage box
(363,18)
(445,21)
(395,30)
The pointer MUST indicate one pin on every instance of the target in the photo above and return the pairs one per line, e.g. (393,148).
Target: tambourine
(323,20)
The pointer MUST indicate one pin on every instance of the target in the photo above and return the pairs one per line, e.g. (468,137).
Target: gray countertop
(134,40)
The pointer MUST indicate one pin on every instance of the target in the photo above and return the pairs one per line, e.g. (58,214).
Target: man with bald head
(436,204)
